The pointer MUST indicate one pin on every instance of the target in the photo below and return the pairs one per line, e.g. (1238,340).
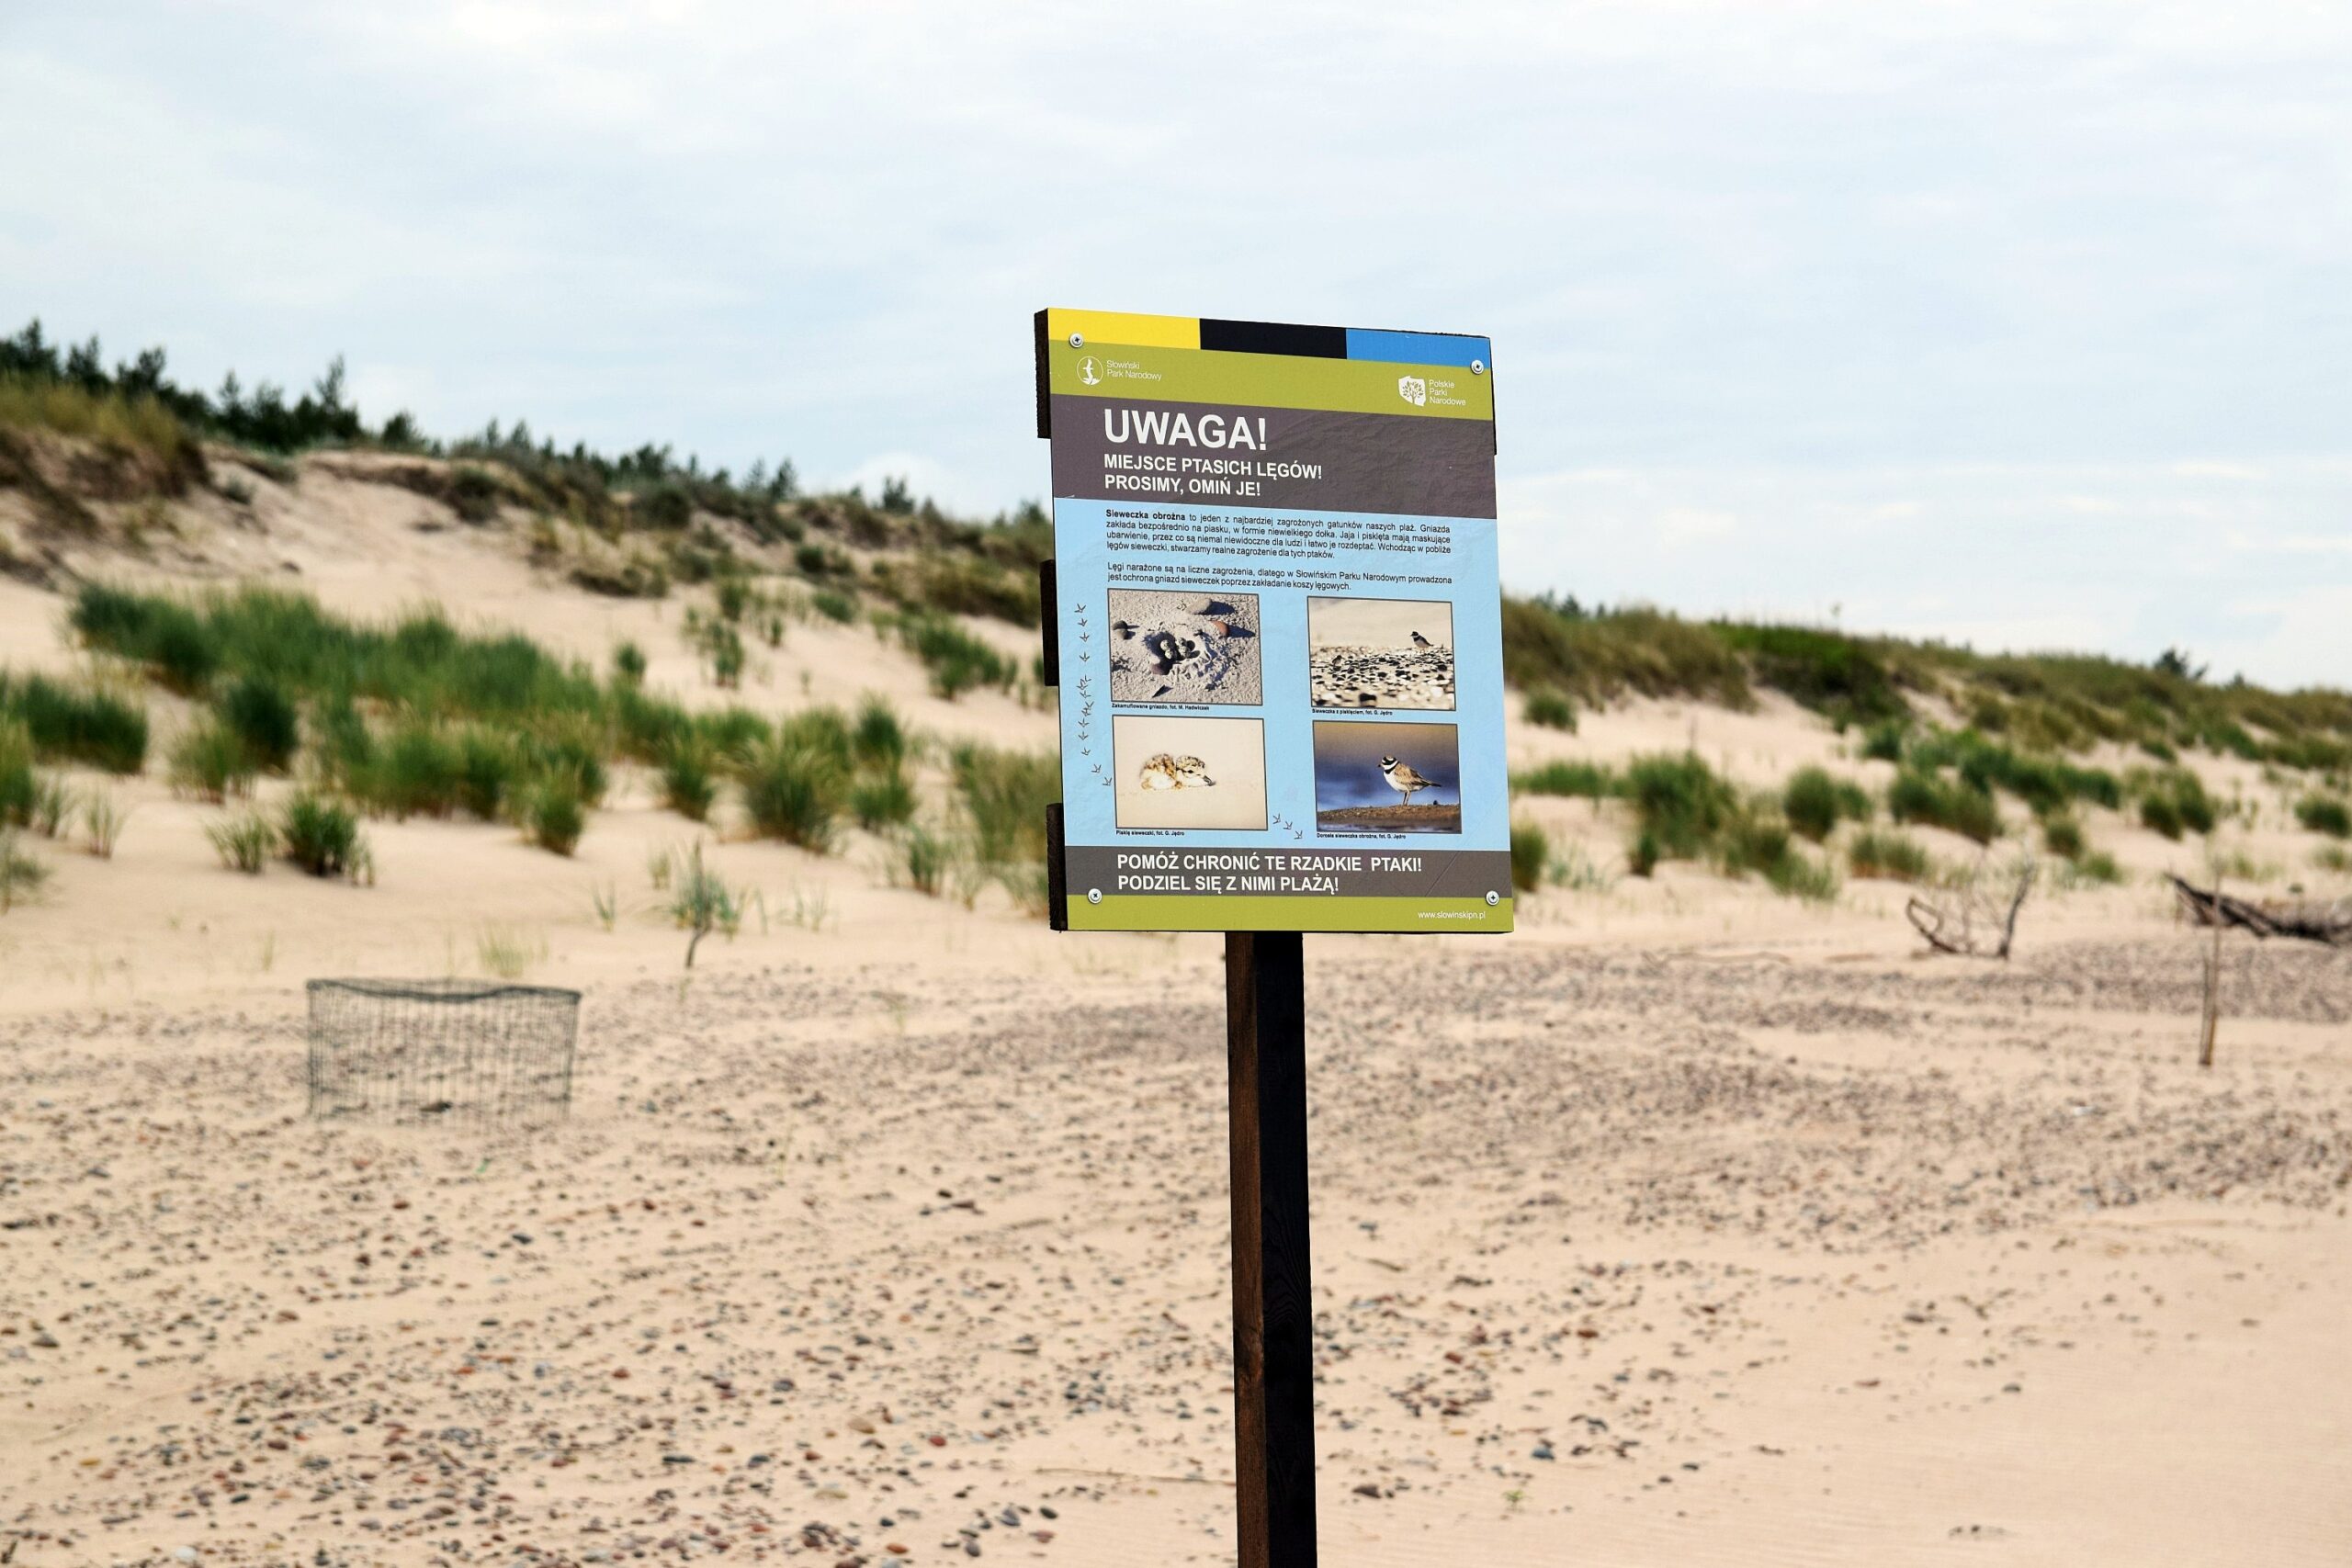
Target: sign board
(1276,627)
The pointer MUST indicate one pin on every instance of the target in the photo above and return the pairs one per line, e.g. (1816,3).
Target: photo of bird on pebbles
(1381,653)
(1184,648)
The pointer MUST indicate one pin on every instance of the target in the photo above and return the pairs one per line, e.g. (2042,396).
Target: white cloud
(1681,526)
(1792,304)
(2297,637)
(1998,556)
(926,476)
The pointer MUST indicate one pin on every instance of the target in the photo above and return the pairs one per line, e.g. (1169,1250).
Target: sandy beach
(1795,1253)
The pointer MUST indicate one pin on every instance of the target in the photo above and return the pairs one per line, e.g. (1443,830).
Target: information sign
(1278,630)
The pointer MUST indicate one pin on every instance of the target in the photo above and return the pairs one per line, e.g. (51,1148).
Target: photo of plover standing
(1403,779)
(1363,787)
(1421,642)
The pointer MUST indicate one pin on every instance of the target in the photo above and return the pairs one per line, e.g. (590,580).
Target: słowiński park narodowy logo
(1089,373)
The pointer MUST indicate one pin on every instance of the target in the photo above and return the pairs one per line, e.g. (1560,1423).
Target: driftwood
(2306,921)
(2209,1021)
(1973,920)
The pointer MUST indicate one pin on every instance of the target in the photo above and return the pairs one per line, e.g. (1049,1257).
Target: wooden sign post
(1273,621)
(1273,1316)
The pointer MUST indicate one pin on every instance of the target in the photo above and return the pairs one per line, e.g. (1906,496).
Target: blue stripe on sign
(1419,348)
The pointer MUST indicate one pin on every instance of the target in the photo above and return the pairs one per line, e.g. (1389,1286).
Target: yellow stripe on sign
(1124,328)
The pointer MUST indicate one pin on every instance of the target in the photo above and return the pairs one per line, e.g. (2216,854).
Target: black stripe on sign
(1044,383)
(1274,337)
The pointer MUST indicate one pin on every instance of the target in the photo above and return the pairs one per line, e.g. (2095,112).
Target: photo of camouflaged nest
(1193,647)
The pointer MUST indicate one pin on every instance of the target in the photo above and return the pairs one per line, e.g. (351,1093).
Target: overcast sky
(2019,324)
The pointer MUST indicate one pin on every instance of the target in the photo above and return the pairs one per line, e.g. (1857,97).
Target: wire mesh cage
(429,1050)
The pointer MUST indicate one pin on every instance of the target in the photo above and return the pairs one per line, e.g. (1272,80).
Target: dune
(1694,1222)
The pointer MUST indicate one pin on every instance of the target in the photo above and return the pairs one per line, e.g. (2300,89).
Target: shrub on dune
(1973,814)
(1914,796)
(1590,781)
(20,787)
(2159,814)
(1815,802)
(1552,709)
(927,859)
(1531,852)
(643,726)
(415,772)
(1679,801)
(823,730)
(689,783)
(209,761)
(72,725)
(341,742)
(1955,805)
(489,770)
(1006,793)
(1888,856)
(244,841)
(574,750)
(2198,812)
(1643,855)
(323,836)
(556,816)
(1796,874)
(21,875)
(1883,740)
(1753,842)
(2174,801)
(955,659)
(882,799)
(2325,814)
(256,710)
(794,790)
(878,737)
(2063,836)
(2094,868)
(734,734)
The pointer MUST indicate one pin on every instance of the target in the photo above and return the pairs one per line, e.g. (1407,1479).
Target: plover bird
(1163,771)
(1403,779)
(1421,642)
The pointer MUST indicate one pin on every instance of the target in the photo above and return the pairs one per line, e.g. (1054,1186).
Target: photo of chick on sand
(1381,653)
(1194,647)
(1189,772)
(1387,778)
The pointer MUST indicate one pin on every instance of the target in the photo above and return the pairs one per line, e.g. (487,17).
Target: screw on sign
(1283,758)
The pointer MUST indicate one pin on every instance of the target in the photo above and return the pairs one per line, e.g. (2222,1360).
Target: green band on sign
(1269,381)
(1229,913)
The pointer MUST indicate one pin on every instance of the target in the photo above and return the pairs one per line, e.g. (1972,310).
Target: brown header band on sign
(1296,459)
